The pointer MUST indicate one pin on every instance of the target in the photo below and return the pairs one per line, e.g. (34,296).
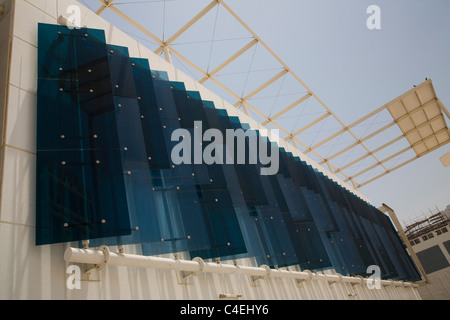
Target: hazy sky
(352,69)
(355,70)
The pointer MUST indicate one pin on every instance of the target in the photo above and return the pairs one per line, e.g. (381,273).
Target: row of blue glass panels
(104,173)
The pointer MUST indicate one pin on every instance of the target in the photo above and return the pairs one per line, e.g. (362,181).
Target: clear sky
(354,70)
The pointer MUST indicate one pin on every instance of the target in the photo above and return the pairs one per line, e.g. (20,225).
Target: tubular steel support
(102,257)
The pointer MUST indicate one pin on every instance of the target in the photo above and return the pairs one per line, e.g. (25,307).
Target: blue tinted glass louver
(105,173)
(151,114)
(80,187)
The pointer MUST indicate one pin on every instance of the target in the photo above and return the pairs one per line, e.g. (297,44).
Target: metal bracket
(94,269)
(299,282)
(331,282)
(230,296)
(356,283)
(254,279)
(105,251)
(102,265)
(183,277)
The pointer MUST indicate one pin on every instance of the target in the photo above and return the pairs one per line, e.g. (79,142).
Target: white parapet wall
(438,287)
(28,271)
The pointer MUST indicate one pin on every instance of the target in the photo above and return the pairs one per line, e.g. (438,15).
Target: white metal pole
(102,257)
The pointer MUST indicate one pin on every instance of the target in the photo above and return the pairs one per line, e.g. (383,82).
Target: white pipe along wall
(102,257)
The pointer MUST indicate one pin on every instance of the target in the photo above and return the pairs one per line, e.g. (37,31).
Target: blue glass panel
(80,188)
(160,75)
(104,173)
(248,174)
(151,119)
(218,211)
(276,221)
(165,100)
(181,217)
(120,66)
(294,200)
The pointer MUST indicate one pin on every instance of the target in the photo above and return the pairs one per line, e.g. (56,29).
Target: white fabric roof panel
(420,118)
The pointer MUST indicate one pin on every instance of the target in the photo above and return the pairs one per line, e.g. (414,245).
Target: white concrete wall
(31,272)
(438,287)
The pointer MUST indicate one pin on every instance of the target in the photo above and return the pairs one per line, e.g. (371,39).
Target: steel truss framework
(418,113)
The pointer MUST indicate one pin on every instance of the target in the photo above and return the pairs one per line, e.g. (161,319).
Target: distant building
(430,240)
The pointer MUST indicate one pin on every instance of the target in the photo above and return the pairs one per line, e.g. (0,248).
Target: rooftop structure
(429,237)
(428,226)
